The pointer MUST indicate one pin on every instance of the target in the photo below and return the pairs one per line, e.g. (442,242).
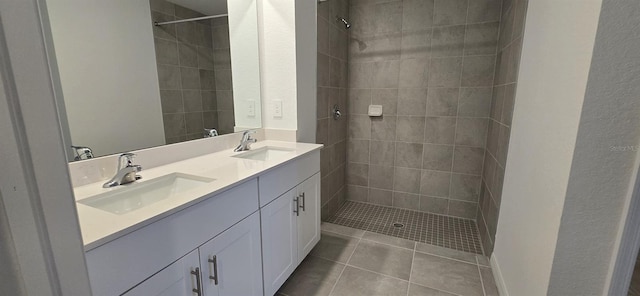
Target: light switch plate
(251,108)
(277,109)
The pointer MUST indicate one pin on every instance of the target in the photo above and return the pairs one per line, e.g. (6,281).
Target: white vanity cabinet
(228,265)
(176,279)
(231,263)
(279,240)
(243,241)
(222,222)
(290,223)
(308,215)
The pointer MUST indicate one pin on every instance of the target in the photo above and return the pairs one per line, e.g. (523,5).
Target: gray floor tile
(389,240)
(446,275)
(483,260)
(335,247)
(385,259)
(339,229)
(314,277)
(417,290)
(357,282)
(446,252)
(489,282)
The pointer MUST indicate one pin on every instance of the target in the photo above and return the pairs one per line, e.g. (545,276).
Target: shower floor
(444,231)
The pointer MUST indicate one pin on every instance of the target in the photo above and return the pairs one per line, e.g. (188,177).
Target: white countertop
(99,227)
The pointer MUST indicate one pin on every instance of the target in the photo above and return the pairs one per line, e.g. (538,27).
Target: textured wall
(194,70)
(430,64)
(604,167)
(557,51)
(332,90)
(504,90)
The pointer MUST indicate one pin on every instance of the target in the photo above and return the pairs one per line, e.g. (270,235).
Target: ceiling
(206,7)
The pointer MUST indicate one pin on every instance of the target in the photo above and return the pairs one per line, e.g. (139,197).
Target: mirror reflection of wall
(194,68)
(130,84)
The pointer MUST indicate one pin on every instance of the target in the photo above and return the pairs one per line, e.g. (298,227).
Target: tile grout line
(481,280)
(370,240)
(413,259)
(362,269)
(415,249)
(385,275)
(345,267)
(439,290)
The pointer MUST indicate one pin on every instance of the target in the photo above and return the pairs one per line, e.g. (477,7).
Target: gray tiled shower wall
(505,82)
(194,71)
(430,64)
(332,90)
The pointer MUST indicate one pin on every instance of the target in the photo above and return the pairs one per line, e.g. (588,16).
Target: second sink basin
(265,153)
(138,195)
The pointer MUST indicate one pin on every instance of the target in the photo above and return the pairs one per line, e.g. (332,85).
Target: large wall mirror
(143,73)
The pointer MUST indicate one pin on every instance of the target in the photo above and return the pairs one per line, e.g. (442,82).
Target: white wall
(604,162)
(556,56)
(243,35)
(36,191)
(106,59)
(276,21)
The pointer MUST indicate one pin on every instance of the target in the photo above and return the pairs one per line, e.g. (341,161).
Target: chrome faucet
(126,174)
(246,141)
(82,152)
(210,132)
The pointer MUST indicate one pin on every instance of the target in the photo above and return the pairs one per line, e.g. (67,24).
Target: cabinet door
(279,242)
(174,280)
(309,219)
(232,262)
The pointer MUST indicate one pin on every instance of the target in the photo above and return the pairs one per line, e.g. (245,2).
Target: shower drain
(398,225)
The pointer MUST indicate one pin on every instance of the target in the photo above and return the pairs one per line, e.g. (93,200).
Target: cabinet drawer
(121,264)
(279,180)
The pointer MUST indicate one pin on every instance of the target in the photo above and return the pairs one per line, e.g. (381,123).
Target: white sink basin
(265,153)
(139,195)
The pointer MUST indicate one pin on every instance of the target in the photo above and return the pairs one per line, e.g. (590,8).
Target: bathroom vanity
(225,223)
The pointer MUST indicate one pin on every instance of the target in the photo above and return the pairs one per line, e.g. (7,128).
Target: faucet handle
(128,155)
(128,158)
(246,135)
(82,152)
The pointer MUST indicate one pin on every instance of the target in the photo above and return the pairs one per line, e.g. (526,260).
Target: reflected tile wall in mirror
(194,72)
(127,84)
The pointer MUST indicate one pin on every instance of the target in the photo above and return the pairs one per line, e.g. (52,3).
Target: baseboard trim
(497,275)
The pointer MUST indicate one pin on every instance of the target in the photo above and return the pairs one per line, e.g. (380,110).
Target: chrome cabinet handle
(295,209)
(304,202)
(213,263)
(198,288)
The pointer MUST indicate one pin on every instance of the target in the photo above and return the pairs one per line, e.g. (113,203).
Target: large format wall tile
(430,64)
(194,69)
(500,115)
(351,134)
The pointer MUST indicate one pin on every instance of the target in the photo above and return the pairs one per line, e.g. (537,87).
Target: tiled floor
(351,262)
(445,231)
